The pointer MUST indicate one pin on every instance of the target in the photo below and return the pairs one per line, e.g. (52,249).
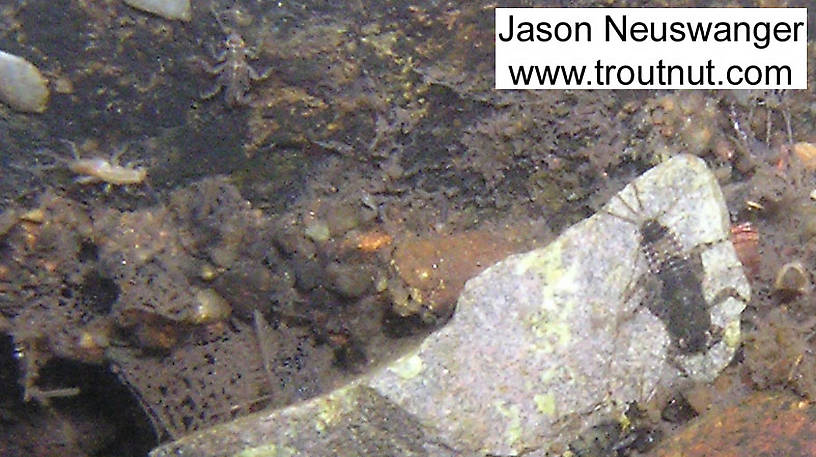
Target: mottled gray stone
(542,344)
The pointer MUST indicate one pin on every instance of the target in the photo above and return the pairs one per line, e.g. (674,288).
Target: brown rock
(764,424)
(438,267)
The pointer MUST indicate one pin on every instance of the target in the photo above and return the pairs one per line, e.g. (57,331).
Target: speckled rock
(542,344)
(548,342)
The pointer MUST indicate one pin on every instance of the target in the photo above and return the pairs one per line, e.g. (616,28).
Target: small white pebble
(168,9)
(22,86)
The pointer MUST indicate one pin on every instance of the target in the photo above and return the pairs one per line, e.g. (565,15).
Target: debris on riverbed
(565,340)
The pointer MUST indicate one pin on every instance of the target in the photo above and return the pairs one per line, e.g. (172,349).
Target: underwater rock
(22,86)
(765,423)
(547,343)
(349,280)
(435,269)
(168,9)
(543,345)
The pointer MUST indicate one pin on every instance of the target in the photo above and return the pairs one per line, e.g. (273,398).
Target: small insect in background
(234,74)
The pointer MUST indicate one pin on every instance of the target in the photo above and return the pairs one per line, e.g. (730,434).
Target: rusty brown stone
(765,423)
(746,242)
(439,266)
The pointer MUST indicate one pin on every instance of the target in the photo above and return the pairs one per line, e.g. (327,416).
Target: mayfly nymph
(96,169)
(234,74)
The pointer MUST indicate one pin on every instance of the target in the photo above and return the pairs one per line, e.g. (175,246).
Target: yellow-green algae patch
(407,367)
(732,334)
(267,450)
(329,412)
(545,262)
(545,404)
(550,323)
(512,431)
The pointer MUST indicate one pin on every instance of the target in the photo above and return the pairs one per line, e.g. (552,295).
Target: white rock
(22,86)
(168,9)
(550,342)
